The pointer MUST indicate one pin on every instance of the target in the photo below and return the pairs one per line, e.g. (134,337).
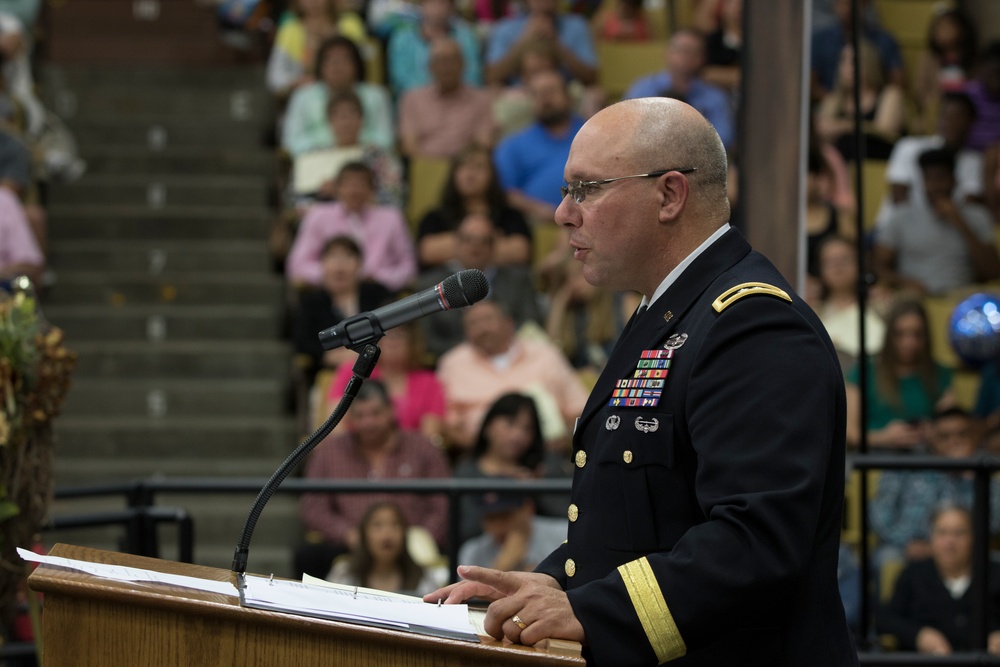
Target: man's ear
(673,190)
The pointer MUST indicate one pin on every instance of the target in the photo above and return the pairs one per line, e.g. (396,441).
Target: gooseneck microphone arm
(363,367)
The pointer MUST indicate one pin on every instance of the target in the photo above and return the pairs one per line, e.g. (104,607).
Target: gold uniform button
(570,567)
(627,455)
(581,458)
(573,513)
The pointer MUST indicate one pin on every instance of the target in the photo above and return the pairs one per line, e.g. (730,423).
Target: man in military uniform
(706,505)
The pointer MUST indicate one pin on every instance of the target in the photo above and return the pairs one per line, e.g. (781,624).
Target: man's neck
(448,89)
(559,128)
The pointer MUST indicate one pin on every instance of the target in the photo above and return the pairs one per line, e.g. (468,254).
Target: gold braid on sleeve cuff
(656,619)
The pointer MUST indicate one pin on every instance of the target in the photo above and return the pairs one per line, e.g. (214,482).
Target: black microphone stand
(368,354)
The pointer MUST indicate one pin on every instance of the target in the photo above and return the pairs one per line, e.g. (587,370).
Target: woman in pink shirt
(415,392)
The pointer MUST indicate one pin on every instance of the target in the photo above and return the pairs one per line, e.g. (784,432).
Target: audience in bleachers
(338,68)
(900,514)
(984,91)
(882,107)
(721,21)
(472,187)
(837,301)
(382,560)
(371,447)
(823,218)
(946,64)
(491,361)
(828,43)
(380,231)
(341,294)
(20,253)
(931,610)
(682,78)
(410,44)
(941,246)
(625,22)
(299,38)
(905,384)
(530,163)
(510,284)
(542,22)
(417,396)
(446,116)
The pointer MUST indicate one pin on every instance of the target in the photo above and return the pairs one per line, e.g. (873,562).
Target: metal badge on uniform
(647,425)
(675,341)
(612,423)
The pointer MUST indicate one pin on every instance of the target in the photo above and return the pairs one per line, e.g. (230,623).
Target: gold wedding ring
(518,622)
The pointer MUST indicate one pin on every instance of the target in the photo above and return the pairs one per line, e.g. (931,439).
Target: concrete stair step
(159,192)
(181,160)
(141,446)
(136,78)
(156,257)
(181,398)
(183,359)
(249,104)
(165,322)
(157,132)
(137,222)
(188,288)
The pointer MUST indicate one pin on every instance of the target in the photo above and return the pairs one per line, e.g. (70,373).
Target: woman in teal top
(905,386)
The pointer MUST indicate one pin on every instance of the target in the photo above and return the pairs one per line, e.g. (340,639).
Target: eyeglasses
(580,189)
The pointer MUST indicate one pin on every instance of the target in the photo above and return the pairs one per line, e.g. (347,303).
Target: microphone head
(465,288)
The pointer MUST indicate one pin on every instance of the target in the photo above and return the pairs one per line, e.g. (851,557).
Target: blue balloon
(974,329)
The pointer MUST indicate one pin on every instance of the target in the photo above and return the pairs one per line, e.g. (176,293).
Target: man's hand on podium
(535,599)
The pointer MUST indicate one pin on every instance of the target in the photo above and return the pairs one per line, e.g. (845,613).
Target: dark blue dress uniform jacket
(705,530)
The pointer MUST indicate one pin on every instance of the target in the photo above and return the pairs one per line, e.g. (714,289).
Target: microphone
(457,291)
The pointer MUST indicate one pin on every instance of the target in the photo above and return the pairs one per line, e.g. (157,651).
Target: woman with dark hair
(473,187)
(381,559)
(510,445)
(946,65)
(905,385)
(299,37)
(339,68)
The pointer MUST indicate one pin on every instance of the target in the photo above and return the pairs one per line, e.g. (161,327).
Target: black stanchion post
(980,558)
(454,532)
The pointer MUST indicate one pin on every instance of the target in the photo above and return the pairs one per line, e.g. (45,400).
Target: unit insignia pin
(675,341)
(612,423)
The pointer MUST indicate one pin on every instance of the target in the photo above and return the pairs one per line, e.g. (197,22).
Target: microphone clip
(358,331)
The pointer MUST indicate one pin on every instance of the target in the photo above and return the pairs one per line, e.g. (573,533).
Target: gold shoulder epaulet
(734,294)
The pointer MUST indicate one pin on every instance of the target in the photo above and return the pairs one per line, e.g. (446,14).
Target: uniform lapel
(653,326)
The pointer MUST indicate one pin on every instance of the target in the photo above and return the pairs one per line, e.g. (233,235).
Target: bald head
(665,131)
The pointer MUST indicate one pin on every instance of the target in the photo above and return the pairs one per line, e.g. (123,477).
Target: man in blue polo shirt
(530,163)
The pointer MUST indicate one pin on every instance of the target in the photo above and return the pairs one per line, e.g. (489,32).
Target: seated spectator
(380,232)
(20,253)
(513,538)
(339,68)
(381,559)
(682,78)
(315,172)
(530,163)
(542,22)
(721,21)
(828,44)
(956,116)
(823,218)
(947,63)
(299,38)
(446,116)
(16,178)
(342,294)
(838,307)
(386,16)
(409,48)
(417,396)
(984,91)
(935,248)
(511,285)
(513,107)
(372,447)
(510,444)
(626,22)
(905,385)
(581,318)
(16,78)
(904,501)
(492,361)
(473,187)
(882,108)
(931,607)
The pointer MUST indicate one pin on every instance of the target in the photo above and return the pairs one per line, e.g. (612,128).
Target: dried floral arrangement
(35,370)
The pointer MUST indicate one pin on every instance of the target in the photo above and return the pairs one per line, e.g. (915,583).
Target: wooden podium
(90,621)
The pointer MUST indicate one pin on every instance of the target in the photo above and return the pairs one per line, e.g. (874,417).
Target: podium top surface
(56,581)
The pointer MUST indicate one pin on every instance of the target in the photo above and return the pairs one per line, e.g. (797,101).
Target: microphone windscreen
(465,288)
